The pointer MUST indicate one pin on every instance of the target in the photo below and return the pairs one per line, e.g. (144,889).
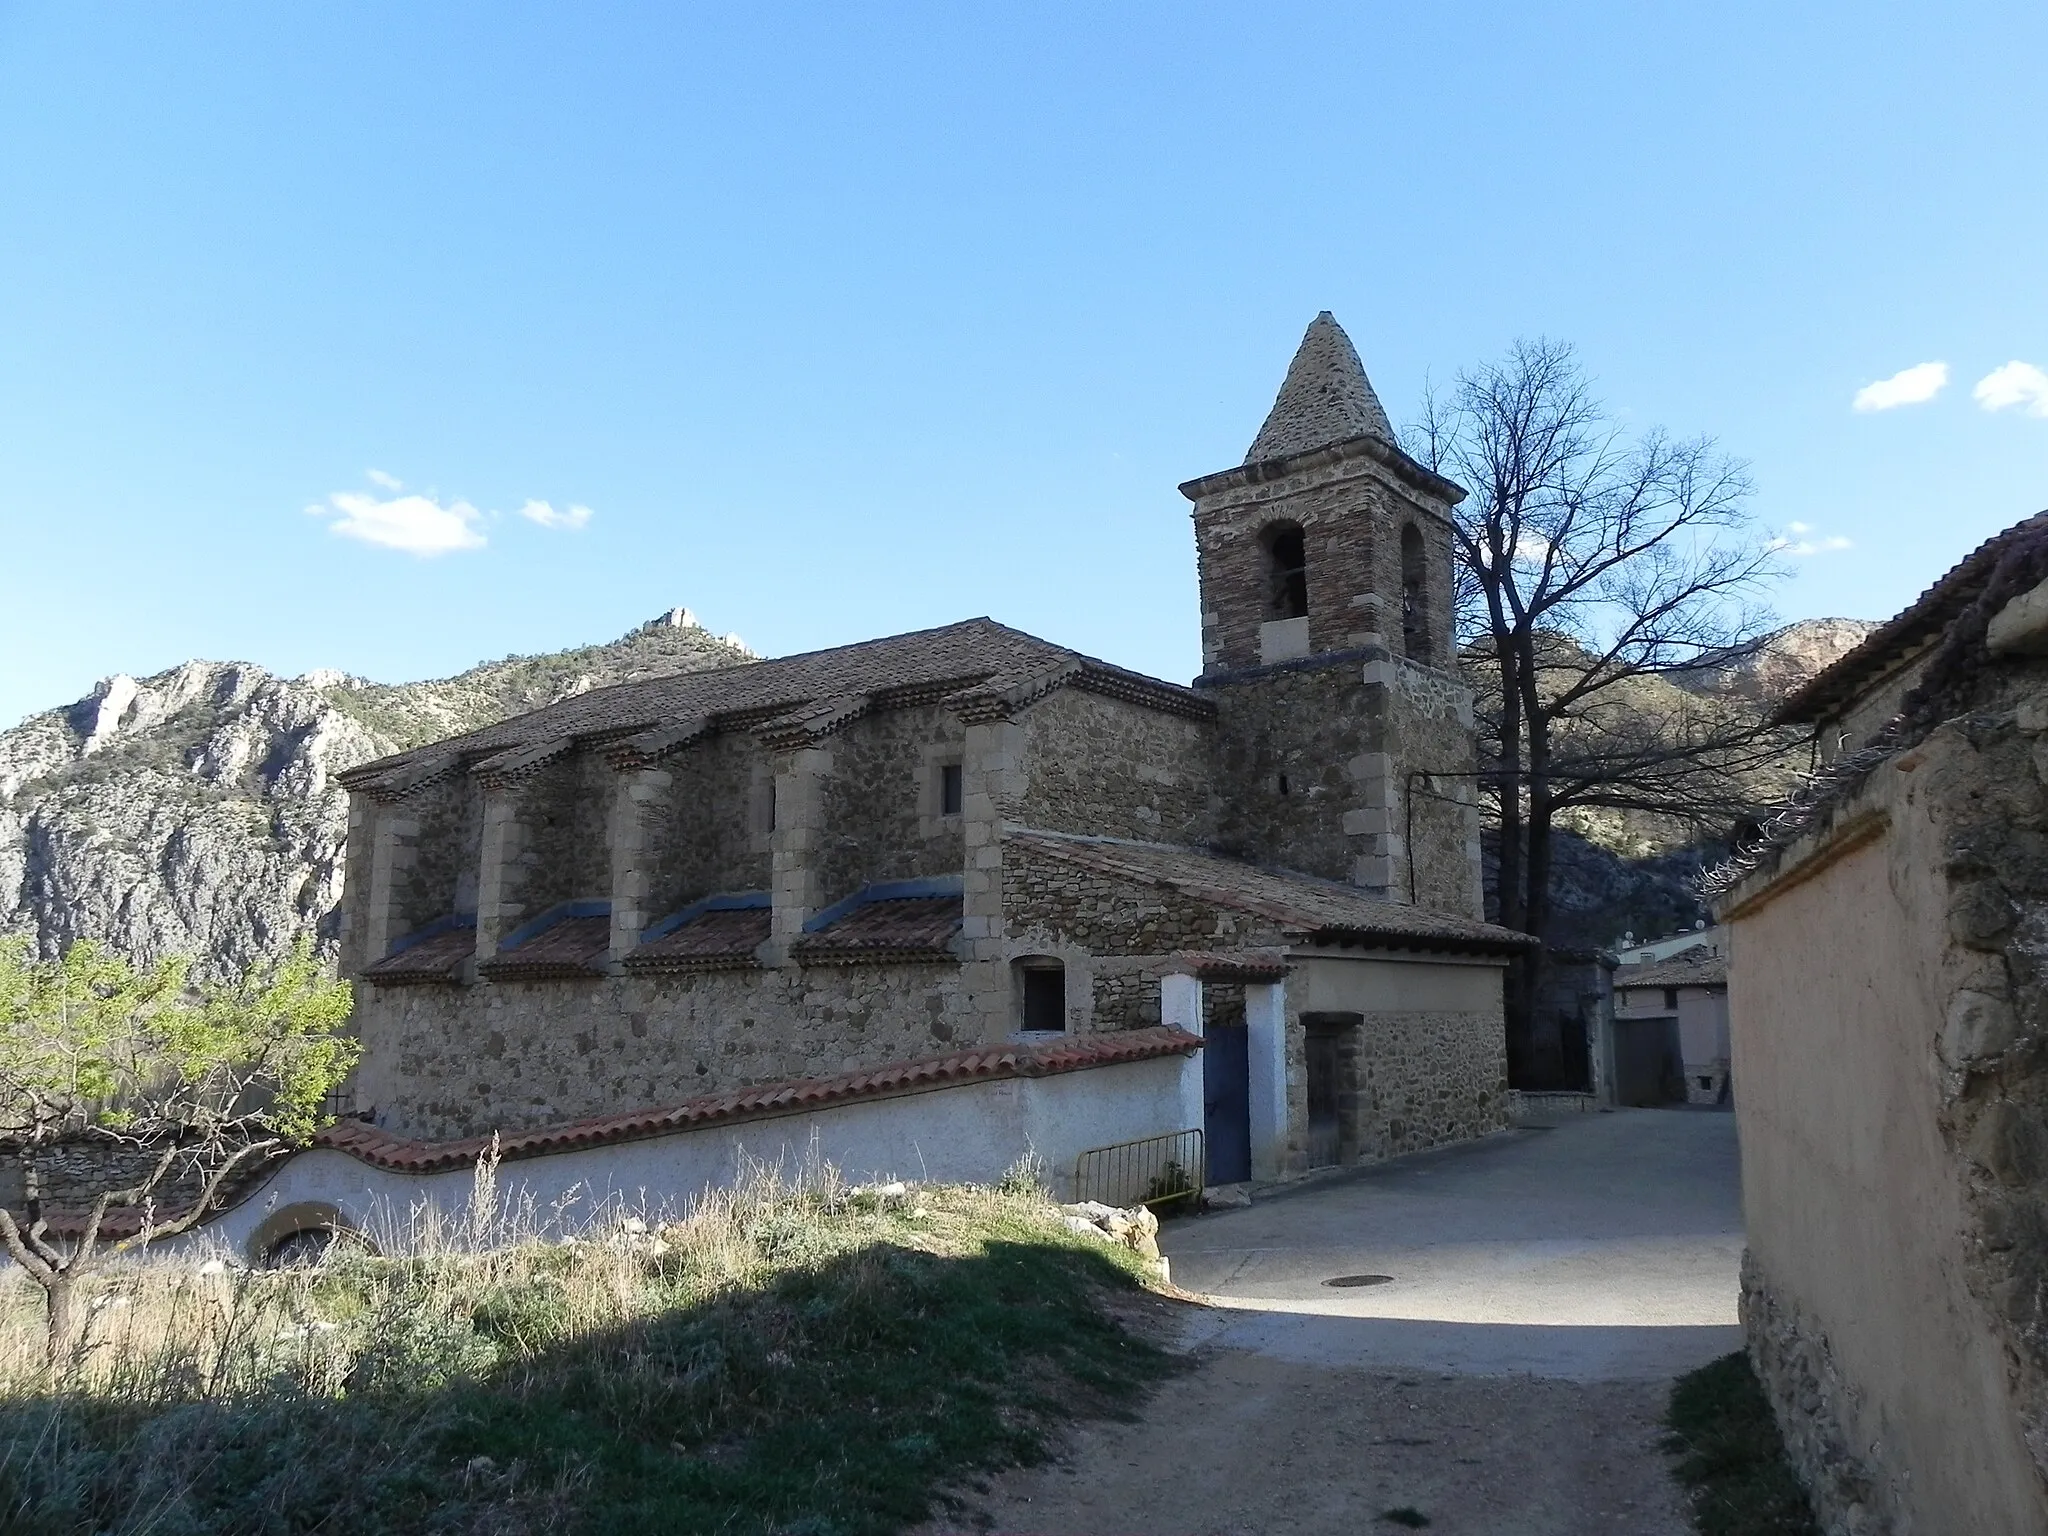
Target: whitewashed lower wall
(969,1133)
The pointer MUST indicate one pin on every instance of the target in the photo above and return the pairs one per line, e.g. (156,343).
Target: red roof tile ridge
(384,1149)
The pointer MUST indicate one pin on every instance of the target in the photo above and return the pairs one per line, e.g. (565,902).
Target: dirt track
(1507,1380)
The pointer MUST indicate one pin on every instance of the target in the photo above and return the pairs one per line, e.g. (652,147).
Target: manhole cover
(1347,1282)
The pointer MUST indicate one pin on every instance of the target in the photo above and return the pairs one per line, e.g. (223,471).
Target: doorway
(1226,1085)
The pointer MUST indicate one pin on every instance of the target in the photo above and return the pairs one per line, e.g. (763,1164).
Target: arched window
(1041,993)
(1414,597)
(1287,571)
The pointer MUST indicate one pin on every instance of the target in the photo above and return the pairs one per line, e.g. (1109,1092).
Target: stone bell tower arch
(1346,746)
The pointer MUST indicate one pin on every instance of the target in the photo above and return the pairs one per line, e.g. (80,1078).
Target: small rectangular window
(1045,999)
(950,795)
(1671,997)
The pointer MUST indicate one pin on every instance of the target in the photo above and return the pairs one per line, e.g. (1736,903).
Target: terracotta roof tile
(570,946)
(932,662)
(1892,641)
(435,959)
(712,940)
(1696,967)
(1300,905)
(1079,1053)
(1245,965)
(886,929)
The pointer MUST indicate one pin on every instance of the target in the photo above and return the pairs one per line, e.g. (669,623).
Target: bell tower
(1346,747)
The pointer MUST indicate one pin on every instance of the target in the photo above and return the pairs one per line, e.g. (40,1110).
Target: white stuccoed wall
(969,1133)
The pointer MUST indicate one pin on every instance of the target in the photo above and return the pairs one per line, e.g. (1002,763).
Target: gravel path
(1507,1381)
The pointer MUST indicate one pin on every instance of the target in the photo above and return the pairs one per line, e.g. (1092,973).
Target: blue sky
(842,320)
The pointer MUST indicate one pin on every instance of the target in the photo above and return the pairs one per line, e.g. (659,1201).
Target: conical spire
(1325,399)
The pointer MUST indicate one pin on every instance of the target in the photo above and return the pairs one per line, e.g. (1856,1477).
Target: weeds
(1731,1458)
(779,1359)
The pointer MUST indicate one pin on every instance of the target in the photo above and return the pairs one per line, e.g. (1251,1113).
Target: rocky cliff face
(195,812)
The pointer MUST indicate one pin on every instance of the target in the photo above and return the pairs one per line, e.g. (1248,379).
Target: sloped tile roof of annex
(1920,623)
(951,660)
(1696,967)
(1302,906)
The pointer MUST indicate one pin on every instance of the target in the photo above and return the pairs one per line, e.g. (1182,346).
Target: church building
(869,865)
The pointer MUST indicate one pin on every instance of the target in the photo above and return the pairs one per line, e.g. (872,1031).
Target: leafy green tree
(166,1088)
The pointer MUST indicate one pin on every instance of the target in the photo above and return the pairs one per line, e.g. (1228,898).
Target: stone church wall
(1101,767)
(459,1061)
(1313,724)
(564,808)
(881,813)
(708,830)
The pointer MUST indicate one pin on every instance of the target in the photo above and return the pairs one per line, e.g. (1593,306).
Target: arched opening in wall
(1415,641)
(1286,571)
(1041,991)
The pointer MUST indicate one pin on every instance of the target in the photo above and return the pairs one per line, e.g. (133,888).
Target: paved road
(1508,1381)
(1606,1248)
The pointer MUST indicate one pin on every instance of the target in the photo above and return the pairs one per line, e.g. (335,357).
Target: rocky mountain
(195,812)
(1781,661)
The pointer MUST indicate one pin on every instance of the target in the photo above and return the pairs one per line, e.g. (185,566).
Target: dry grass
(794,1358)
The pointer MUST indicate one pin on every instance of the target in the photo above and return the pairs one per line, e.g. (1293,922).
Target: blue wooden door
(1227,1103)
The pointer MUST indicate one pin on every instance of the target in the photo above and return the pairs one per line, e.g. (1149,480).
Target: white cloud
(572,517)
(1794,541)
(418,525)
(1909,386)
(2016,384)
(389,482)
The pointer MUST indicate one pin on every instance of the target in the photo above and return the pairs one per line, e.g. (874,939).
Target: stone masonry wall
(1104,768)
(1351,514)
(565,807)
(1313,724)
(1113,917)
(707,835)
(443,877)
(880,817)
(457,1061)
(1429,720)
(1430,1078)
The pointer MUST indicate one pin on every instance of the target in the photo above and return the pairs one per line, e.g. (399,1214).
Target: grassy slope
(789,1365)
(1731,1459)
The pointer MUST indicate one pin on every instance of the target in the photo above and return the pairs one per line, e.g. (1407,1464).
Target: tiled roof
(1326,398)
(914,928)
(1251,965)
(381,1149)
(715,939)
(833,685)
(1302,906)
(1892,641)
(1698,967)
(434,958)
(570,946)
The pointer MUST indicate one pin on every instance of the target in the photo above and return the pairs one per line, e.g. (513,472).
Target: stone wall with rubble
(1889,1010)
(707,831)
(1356,768)
(564,807)
(458,1061)
(1105,768)
(881,807)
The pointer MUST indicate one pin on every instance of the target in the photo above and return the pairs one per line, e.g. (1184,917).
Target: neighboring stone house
(1671,1029)
(1888,994)
(969,839)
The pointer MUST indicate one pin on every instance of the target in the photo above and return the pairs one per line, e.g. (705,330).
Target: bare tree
(1591,563)
(149,1096)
